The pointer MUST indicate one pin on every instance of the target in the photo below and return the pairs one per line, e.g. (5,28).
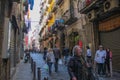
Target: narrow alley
(24,72)
(59,39)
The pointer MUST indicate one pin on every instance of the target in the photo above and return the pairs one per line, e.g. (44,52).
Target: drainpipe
(71,9)
(14,47)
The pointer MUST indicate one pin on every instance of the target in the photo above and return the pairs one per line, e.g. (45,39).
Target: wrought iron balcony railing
(88,5)
(55,7)
(70,16)
(49,1)
(58,2)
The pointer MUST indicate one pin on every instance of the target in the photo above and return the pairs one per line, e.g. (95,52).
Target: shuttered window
(112,40)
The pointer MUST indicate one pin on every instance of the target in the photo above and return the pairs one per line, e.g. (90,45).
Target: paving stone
(23,71)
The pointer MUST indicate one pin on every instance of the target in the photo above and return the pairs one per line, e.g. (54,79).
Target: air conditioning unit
(110,4)
(91,15)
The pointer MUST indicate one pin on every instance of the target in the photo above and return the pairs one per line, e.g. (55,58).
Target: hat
(100,46)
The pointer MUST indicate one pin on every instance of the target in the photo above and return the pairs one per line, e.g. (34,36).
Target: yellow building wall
(62,9)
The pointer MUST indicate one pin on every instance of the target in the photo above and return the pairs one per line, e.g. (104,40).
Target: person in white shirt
(100,59)
(88,54)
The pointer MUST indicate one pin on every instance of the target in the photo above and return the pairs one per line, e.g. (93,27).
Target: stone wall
(5,64)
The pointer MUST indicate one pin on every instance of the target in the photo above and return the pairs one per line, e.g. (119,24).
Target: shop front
(72,39)
(109,34)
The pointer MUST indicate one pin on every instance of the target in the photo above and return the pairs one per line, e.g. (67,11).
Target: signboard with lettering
(110,24)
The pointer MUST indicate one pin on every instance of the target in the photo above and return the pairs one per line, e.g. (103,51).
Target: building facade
(46,21)
(10,11)
(104,15)
(71,29)
(69,26)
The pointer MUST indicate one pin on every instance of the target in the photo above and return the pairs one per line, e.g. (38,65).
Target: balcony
(50,16)
(49,1)
(58,2)
(53,29)
(17,1)
(55,7)
(48,35)
(88,5)
(41,39)
(59,24)
(70,16)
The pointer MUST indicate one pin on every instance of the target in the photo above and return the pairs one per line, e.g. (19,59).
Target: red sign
(26,40)
(80,44)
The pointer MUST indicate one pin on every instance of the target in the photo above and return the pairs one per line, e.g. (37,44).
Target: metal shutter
(112,40)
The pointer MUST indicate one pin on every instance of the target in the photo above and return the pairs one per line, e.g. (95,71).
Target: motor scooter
(25,59)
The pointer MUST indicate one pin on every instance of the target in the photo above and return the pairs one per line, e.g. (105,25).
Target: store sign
(110,24)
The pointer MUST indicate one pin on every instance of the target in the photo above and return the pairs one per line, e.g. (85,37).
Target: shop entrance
(73,39)
(110,38)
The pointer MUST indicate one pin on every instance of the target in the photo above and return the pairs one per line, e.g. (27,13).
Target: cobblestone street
(23,71)
(61,75)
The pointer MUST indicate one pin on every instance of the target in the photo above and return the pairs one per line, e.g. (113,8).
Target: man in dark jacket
(76,65)
(45,53)
(57,55)
(66,54)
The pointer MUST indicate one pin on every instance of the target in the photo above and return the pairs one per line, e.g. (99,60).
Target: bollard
(34,71)
(30,59)
(31,64)
(45,78)
(39,73)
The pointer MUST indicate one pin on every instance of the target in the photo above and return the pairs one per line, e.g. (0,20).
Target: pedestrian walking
(108,61)
(88,54)
(57,55)
(45,53)
(100,57)
(75,65)
(66,54)
(73,50)
(50,59)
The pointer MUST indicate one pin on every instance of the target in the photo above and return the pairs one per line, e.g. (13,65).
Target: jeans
(89,60)
(66,60)
(107,66)
(56,65)
(101,68)
(50,67)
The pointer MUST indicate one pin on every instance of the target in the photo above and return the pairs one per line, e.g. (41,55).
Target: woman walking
(50,59)
(89,54)
(108,62)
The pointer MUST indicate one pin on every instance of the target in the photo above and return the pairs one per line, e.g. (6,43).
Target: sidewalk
(23,72)
(116,76)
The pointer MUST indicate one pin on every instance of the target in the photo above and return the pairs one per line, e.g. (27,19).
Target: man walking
(100,57)
(66,54)
(75,65)
(57,55)
(88,54)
